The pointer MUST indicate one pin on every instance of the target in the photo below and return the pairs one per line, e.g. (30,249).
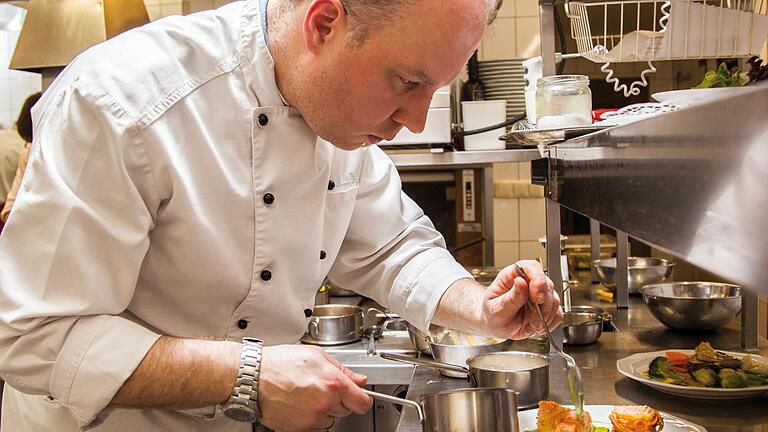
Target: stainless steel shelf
(691,182)
(460,159)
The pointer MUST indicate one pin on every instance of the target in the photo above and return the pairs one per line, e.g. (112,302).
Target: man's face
(362,95)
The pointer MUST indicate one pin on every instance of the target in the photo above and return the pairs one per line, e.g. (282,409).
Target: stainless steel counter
(639,332)
(379,371)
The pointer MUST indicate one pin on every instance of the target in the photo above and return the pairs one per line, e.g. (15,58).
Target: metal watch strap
(246,391)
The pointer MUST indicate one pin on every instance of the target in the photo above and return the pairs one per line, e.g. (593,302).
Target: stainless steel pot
(478,409)
(524,372)
(605,316)
(447,350)
(581,328)
(334,324)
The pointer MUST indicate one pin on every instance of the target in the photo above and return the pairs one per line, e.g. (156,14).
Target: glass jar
(563,101)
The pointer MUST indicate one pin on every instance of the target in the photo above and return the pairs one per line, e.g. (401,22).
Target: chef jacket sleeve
(71,255)
(392,252)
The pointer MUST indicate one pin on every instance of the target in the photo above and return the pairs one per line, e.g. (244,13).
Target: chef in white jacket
(191,184)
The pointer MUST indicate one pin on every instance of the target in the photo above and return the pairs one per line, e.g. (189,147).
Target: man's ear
(324,21)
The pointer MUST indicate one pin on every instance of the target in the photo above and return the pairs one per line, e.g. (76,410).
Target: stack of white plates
(503,80)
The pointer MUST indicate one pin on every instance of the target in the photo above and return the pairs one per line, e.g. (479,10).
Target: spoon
(372,333)
(575,384)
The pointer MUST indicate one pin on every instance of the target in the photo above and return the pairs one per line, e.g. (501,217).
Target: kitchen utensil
(386,320)
(606,317)
(642,271)
(693,305)
(581,328)
(635,367)
(549,136)
(418,338)
(372,333)
(334,324)
(448,348)
(524,372)
(600,417)
(478,409)
(575,384)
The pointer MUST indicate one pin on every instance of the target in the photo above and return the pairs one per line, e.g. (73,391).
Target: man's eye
(408,83)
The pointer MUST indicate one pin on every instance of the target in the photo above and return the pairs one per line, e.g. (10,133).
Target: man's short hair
(365,15)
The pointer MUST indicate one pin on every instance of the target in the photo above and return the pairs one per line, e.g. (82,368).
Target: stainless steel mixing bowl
(693,305)
(642,271)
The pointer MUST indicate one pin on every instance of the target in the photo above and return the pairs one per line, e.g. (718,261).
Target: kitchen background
(519,218)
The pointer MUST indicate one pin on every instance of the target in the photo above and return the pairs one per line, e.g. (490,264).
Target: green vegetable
(755,379)
(724,78)
(706,377)
(730,378)
(600,429)
(661,369)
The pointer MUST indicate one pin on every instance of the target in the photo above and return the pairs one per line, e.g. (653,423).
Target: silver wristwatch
(243,405)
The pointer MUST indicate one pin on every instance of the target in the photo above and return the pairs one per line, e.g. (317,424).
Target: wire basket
(649,30)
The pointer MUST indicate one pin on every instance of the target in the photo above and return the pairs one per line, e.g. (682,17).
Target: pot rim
(509,353)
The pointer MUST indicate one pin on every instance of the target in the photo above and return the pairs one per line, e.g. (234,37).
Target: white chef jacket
(171,192)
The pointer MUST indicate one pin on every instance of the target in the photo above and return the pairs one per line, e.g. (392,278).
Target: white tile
(505,171)
(507,9)
(527,8)
(505,253)
(499,40)
(506,225)
(533,223)
(153,12)
(524,170)
(532,250)
(528,38)
(168,9)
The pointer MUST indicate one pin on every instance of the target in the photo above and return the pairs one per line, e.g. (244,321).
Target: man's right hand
(303,387)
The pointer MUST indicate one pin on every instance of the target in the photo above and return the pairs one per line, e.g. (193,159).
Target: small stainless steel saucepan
(452,347)
(524,372)
(477,409)
(334,324)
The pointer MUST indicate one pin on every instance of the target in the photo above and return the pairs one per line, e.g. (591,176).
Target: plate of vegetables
(702,373)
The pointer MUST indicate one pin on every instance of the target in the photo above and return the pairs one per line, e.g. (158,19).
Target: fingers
(353,397)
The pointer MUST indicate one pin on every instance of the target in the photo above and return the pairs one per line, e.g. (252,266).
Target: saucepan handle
(313,328)
(424,362)
(398,401)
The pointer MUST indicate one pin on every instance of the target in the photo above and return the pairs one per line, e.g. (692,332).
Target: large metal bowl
(693,305)
(642,271)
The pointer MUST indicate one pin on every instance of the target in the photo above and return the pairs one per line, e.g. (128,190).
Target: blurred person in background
(24,131)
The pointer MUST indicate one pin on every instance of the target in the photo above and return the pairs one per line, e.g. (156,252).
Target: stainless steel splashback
(692,182)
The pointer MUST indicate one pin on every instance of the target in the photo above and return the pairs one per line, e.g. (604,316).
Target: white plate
(636,367)
(600,413)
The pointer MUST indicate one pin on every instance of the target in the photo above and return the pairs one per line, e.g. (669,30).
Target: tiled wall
(15,86)
(518,222)
(160,8)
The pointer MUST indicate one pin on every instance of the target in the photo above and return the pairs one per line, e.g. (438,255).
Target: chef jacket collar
(260,65)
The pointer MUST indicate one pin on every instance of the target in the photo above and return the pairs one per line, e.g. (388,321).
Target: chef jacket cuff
(425,279)
(100,353)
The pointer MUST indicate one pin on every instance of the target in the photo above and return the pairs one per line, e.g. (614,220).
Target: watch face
(240,413)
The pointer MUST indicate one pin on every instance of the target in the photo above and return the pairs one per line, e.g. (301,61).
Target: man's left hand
(505,309)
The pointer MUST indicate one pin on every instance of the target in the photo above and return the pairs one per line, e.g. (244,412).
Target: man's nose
(413,114)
